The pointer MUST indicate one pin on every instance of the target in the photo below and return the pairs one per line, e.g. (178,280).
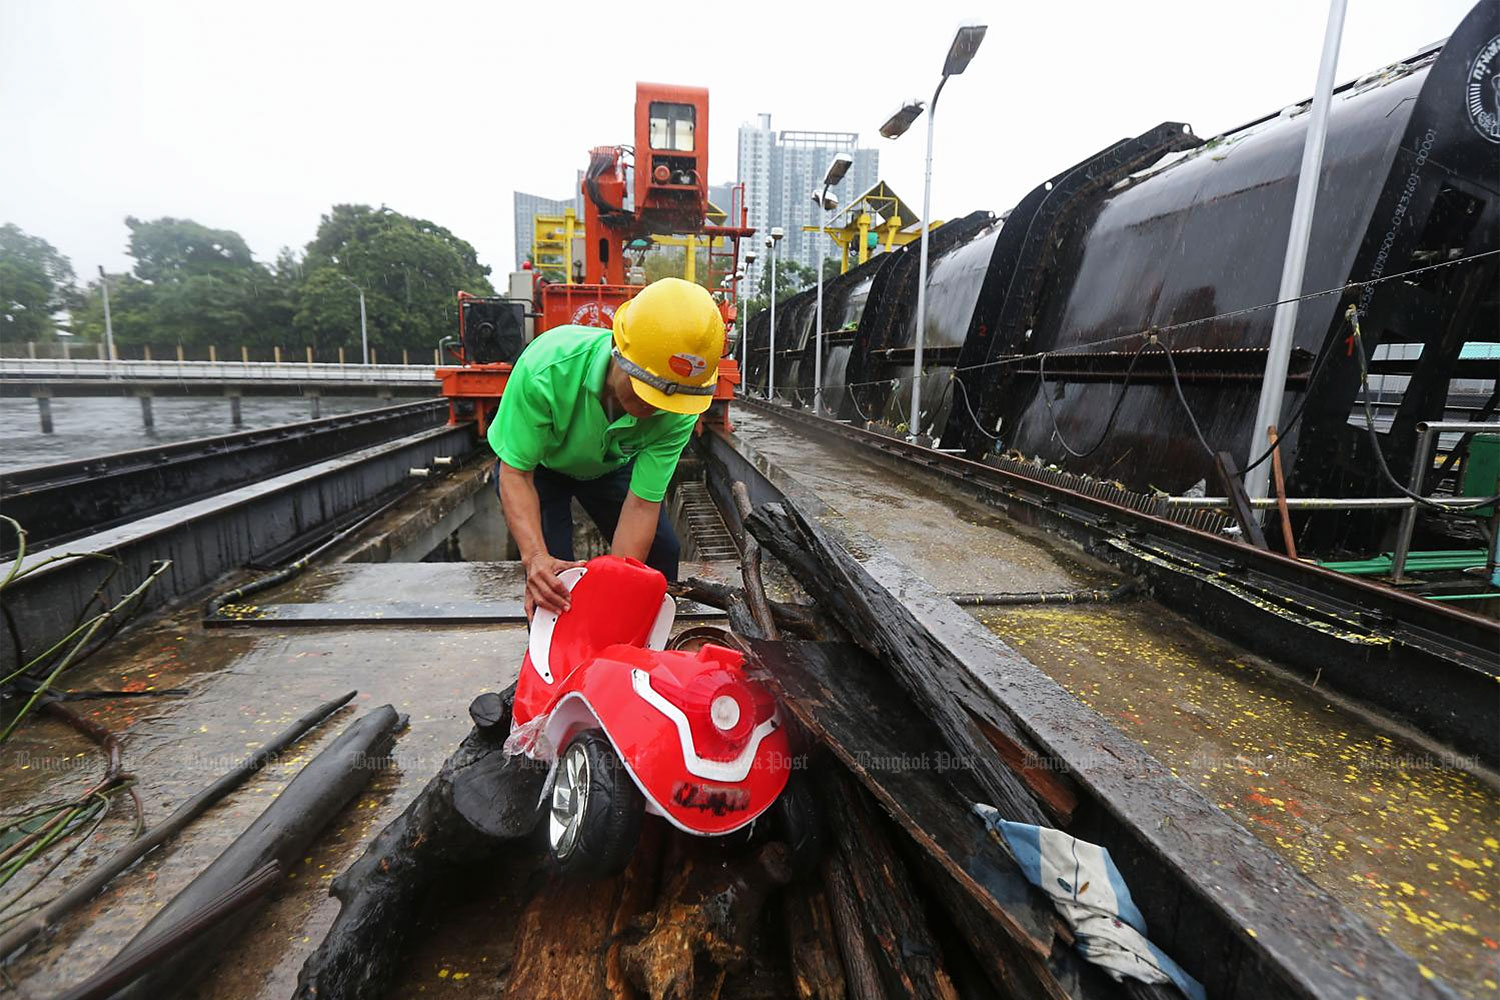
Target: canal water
(84,427)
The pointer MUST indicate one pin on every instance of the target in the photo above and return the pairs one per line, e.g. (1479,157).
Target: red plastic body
(655,705)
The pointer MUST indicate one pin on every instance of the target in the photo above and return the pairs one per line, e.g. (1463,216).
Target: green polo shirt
(552,415)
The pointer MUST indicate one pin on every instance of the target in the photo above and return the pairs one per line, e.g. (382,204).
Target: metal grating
(1204,519)
(704,534)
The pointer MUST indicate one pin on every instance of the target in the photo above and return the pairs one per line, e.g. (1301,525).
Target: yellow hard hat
(668,339)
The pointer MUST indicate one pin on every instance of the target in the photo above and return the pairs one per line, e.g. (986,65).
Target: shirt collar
(598,372)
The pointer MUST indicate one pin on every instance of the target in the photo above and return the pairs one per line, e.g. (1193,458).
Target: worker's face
(624,390)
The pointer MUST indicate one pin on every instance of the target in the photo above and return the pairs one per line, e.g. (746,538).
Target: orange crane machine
(634,198)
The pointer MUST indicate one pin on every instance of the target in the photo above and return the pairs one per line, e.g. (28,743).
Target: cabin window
(672,126)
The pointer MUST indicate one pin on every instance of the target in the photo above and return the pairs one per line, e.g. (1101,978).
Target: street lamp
(965,44)
(364,337)
(744,320)
(776,234)
(109,329)
(825,201)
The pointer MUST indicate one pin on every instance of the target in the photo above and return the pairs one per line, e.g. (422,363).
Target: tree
(169,249)
(35,283)
(410,270)
(193,285)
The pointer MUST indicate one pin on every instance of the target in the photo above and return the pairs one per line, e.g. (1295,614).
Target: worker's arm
(523,516)
(649,475)
(636,529)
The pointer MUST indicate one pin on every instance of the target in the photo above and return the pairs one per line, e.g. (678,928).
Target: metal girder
(71,499)
(206,538)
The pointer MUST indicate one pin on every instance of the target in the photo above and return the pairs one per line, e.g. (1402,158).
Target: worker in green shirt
(603,416)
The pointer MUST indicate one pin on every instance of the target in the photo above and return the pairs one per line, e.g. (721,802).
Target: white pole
(771,355)
(916,361)
(818,337)
(364,336)
(1273,388)
(109,329)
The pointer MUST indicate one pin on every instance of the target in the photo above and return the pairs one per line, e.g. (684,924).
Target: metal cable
(1114,412)
(1177,385)
(1337,290)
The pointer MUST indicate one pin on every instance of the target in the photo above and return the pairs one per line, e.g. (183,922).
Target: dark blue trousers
(602,500)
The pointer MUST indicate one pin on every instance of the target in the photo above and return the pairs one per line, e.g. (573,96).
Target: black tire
(610,824)
(797,821)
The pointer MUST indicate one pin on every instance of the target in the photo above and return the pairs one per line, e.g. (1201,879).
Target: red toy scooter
(635,727)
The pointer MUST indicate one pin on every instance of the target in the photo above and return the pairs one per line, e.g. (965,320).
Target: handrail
(1421,461)
(88,368)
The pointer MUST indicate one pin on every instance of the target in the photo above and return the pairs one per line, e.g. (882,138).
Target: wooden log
(478,799)
(798,619)
(45,916)
(704,918)
(907,957)
(817,973)
(755,586)
(1051,787)
(887,628)
(638,891)
(857,710)
(281,833)
(860,973)
(1239,502)
(562,941)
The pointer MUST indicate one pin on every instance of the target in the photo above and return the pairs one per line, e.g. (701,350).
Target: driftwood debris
(906,956)
(860,973)
(40,919)
(885,627)
(852,706)
(478,798)
(281,834)
(562,940)
(569,937)
(796,619)
(812,943)
(705,914)
(108,980)
(755,586)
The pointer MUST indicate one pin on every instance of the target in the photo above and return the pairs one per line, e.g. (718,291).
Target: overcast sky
(257,116)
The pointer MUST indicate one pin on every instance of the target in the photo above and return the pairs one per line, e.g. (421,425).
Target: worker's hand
(543,587)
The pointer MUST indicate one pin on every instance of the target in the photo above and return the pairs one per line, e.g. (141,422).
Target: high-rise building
(528,207)
(780,171)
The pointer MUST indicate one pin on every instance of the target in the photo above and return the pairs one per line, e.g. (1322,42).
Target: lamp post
(825,201)
(1284,325)
(744,321)
(364,337)
(109,328)
(776,234)
(965,44)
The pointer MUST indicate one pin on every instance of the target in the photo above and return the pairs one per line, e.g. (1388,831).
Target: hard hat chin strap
(655,381)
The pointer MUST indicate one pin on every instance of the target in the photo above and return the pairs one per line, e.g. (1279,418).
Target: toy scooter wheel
(595,816)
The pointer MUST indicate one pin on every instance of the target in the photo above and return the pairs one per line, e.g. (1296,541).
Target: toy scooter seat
(613,600)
